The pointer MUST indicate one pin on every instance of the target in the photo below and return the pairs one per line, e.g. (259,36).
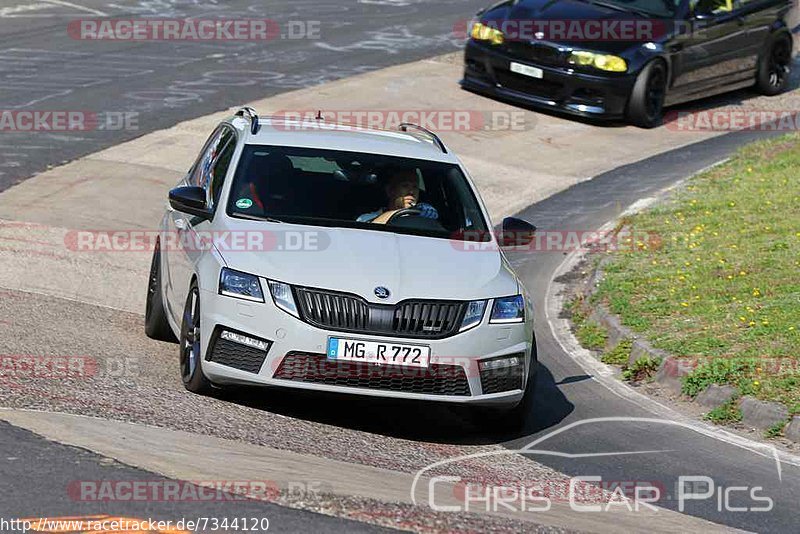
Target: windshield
(351,189)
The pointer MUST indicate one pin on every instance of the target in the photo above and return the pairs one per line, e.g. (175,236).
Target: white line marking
(63,3)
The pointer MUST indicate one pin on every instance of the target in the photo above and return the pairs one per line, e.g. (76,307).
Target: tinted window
(227,146)
(350,189)
(203,163)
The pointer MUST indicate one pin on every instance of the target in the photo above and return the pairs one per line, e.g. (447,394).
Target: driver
(402,192)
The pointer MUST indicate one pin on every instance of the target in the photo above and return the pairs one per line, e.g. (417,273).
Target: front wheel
(190,346)
(774,66)
(647,97)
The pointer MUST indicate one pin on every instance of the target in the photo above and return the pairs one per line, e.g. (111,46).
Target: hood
(357,261)
(574,10)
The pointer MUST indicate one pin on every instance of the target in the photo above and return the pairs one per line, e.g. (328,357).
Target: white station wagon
(305,254)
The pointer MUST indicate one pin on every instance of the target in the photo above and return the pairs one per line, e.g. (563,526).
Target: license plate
(378,352)
(527,70)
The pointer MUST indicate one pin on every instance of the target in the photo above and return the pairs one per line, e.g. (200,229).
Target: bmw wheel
(774,66)
(647,97)
(190,345)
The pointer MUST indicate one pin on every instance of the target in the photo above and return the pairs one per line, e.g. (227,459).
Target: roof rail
(433,137)
(249,113)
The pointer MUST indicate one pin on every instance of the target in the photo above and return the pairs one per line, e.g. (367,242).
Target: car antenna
(319,115)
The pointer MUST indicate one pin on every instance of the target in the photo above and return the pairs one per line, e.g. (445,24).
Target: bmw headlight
(508,310)
(474,315)
(240,285)
(605,62)
(482,32)
(283,297)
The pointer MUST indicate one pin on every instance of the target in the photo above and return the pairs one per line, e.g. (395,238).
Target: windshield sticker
(244,203)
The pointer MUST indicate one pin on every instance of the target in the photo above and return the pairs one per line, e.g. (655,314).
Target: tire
(646,103)
(190,348)
(156,325)
(774,66)
(510,419)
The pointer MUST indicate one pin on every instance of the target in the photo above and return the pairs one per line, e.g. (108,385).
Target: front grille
(528,85)
(350,313)
(536,53)
(316,368)
(503,379)
(242,357)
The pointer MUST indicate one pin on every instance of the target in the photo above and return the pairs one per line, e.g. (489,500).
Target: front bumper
(296,347)
(562,89)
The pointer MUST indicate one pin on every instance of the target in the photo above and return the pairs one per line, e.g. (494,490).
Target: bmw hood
(359,261)
(579,12)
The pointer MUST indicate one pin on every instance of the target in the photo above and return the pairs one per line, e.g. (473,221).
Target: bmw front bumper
(560,89)
(296,357)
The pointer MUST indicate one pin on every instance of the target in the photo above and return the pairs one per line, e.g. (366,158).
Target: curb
(758,414)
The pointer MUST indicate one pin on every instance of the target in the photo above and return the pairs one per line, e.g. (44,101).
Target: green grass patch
(619,355)
(775,431)
(713,273)
(727,413)
(642,369)
(591,335)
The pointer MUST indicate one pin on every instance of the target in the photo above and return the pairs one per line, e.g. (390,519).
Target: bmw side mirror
(516,232)
(191,200)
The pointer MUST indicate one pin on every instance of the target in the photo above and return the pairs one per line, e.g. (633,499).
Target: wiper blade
(258,218)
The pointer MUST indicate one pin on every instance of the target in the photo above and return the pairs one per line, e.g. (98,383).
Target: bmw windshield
(350,189)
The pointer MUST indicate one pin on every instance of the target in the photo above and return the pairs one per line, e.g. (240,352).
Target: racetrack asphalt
(375,433)
(42,479)
(43,68)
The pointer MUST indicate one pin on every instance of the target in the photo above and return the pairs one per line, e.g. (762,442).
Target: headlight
(240,285)
(599,61)
(474,315)
(282,296)
(508,310)
(482,32)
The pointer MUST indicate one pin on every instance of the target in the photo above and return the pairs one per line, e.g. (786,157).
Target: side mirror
(191,200)
(516,233)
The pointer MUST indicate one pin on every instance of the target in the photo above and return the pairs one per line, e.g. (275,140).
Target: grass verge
(717,277)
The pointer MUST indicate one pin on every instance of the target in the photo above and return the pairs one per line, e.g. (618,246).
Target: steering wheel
(405,212)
